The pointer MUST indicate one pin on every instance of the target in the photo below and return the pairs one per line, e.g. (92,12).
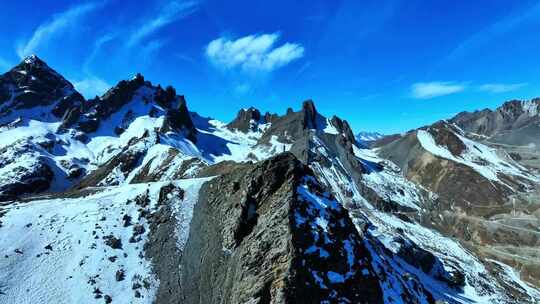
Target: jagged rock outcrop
(247,120)
(258,231)
(115,98)
(327,145)
(294,125)
(178,120)
(142,96)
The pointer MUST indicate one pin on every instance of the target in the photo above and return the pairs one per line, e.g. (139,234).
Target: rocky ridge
(266,209)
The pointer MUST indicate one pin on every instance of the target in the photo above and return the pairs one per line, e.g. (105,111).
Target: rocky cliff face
(129,197)
(512,115)
(33,85)
(265,241)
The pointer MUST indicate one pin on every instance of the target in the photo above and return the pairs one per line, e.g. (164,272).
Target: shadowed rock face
(255,228)
(30,180)
(33,83)
(444,136)
(342,126)
(293,125)
(309,114)
(179,120)
(115,97)
(246,120)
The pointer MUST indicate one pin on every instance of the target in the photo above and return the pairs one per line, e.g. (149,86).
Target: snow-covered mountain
(365,138)
(368,136)
(131,198)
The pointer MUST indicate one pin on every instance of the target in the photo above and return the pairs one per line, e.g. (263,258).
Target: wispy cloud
(501,27)
(428,90)
(501,87)
(169,13)
(98,44)
(148,51)
(253,53)
(54,26)
(91,87)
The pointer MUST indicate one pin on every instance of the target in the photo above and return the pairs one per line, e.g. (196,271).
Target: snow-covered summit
(32,59)
(368,136)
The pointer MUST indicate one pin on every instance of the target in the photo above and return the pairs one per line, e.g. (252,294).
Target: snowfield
(84,249)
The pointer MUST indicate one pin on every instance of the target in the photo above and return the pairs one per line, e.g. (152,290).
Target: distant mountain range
(366,137)
(131,198)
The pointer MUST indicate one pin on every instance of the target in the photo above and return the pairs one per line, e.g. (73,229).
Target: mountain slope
(514,126)
(511,116)
(148,202)
(486,198)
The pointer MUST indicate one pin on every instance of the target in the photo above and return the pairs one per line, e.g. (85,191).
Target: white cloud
(253,53)
(48,29)
(427,90)
(91,87)
(171,12)
(501,87)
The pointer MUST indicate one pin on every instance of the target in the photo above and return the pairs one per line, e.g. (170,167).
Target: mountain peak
(34,68)
(138,77)
(308,106)
(32,59)
(310,114)
(32,83)
(246,120)
(32,63)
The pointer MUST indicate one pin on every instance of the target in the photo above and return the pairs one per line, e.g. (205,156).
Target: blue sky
(385,66)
